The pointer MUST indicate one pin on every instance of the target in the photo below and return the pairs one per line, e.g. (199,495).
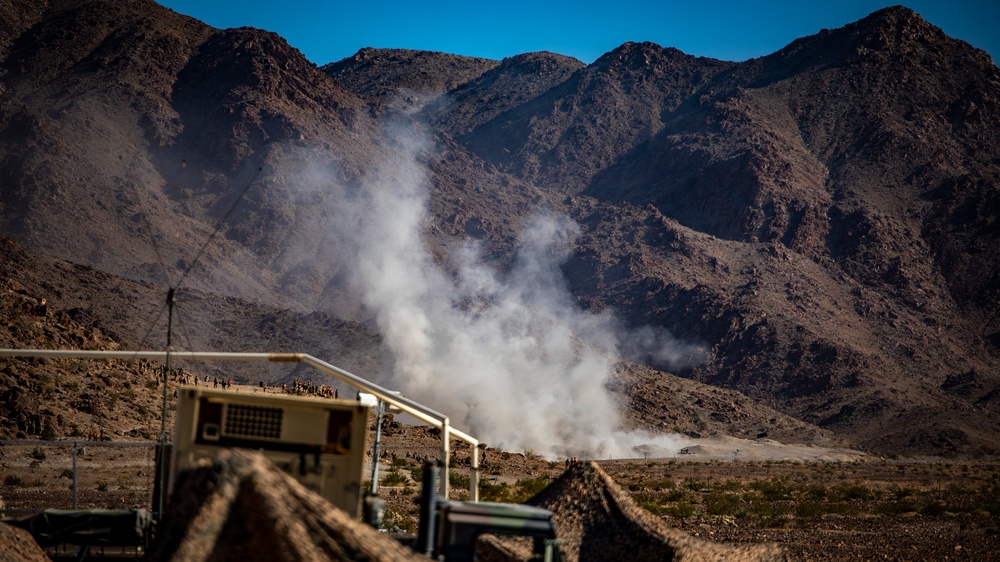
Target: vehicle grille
(253,421)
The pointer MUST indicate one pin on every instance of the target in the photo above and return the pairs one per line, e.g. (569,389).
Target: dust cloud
(509,357)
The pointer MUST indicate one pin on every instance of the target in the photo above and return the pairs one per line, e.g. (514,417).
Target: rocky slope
(53,398)
(814,213)
(823,220)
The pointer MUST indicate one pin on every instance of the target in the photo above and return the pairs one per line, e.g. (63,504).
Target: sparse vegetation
(784,495)
(679,509)
(722,503)
(459,479)
(518,493)
(13,481)
(528,487)
(399,522)
(393,477)
(491,492)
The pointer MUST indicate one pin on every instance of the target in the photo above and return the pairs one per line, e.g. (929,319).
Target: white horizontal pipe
(151,355)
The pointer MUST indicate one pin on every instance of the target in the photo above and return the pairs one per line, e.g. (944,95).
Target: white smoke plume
(509,357)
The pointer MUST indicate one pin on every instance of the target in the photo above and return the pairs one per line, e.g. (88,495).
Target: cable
(218,227)
(201,251)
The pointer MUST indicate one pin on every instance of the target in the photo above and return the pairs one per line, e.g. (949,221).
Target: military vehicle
(449,530)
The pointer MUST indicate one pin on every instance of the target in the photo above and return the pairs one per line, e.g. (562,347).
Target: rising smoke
(509,357)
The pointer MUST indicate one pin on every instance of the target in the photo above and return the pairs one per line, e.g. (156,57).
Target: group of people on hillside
(301,387)
(226,384)
(296,387)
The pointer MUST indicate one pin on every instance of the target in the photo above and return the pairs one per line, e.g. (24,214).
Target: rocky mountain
(51,398)
(821,222)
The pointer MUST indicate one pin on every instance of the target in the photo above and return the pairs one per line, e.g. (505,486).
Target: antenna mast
(163,428)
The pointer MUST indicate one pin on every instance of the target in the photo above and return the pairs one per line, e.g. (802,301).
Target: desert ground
(817,503)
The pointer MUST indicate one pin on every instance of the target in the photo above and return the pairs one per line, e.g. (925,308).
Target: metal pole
(474,475)
(163,425)
(403,403)
(378,442)
(427,528)
(445,446)
(74,475)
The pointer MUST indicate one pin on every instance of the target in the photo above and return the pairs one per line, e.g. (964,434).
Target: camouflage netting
(597,521)
(16,544)
(240,507)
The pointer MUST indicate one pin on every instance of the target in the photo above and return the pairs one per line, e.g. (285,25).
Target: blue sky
(327,31)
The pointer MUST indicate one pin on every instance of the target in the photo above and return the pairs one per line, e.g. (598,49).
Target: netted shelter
(599,521)
(241,507)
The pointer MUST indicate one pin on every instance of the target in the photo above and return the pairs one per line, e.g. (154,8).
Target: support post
(427,528)
(163,427)
(378,445)
(445,453)
(474,475)
(74,475)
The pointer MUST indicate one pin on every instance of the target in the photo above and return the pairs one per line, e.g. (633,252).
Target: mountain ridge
(823,219)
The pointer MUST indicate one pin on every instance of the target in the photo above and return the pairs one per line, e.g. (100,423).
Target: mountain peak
(634,55)
(394,73)
(894,37)
(897,30)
